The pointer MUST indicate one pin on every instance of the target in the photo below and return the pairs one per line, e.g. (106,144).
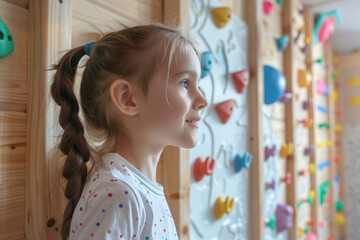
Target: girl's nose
(200,102)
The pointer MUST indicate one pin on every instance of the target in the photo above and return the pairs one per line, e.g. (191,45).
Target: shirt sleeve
(112,211)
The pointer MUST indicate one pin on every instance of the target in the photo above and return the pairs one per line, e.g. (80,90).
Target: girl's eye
(184,84)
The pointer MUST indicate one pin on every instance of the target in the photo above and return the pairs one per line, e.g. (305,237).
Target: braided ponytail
(73,143)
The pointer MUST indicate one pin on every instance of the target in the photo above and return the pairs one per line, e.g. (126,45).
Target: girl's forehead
(185,59)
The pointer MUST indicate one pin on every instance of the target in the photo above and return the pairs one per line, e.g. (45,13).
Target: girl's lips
(194,124)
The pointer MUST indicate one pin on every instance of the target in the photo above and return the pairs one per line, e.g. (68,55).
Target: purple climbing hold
(283,216)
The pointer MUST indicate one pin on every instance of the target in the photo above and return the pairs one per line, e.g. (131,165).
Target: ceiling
(346,38)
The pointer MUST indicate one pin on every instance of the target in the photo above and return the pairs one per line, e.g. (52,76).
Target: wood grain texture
(256,100)
(12,189)
(49,35)
(13,80)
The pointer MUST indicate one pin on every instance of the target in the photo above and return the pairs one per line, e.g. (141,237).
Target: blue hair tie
(87,47)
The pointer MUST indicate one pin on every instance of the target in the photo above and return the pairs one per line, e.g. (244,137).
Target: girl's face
(174,122)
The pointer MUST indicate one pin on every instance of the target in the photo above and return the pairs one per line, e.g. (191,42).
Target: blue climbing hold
(207,59)
(282,42)
(242,162)
(274,85)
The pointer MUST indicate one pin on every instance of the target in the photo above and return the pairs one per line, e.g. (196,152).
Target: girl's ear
(123,96)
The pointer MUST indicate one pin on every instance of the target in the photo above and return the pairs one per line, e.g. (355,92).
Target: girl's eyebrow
(192,72)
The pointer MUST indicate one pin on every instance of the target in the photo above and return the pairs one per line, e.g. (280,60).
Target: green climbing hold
(339,205)
(320,60)
(324,125)
(6,40)
(272,223)
(279,2)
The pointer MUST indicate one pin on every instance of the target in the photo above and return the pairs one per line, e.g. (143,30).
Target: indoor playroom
(272,157)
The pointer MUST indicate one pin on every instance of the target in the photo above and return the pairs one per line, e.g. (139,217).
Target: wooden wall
(13,116)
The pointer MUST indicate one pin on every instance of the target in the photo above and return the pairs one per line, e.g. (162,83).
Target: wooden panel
(12,189)
(288,66)
(20,3)
(256,100)
(12,127)
(104,16)
(13,68)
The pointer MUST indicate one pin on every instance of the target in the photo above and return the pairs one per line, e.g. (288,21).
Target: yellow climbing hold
(221,16)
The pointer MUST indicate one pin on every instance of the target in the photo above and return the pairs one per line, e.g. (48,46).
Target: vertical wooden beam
(49,34)
(309,26)
(176,161)
(331,120)
(256,100)
(288,64)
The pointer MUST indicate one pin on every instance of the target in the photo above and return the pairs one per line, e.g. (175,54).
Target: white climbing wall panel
(221,142)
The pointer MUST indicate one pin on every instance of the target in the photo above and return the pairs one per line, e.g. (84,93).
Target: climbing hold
(224,110)
(334,96)
(241,80)
(307,122)
(309,150)
(278,2)
(283,214)
(286,150)
(312,168)
(304,78)
(324,125)
(302,172)
(6,40)
(322,88)
(207,59)
(203,168)
(221,207)
(311,236)
(287,178)
(338,128)
(354,101)
(221,16)
(353,81)
(270,185)
(285,97)
(340,219)
(322,108)
(301,232)
(282,42)
(274,85)
(242,162)
(267,7)
(339,205)
(319,60)
(320,144)
(272,223)
(324,26)
(329,143)
(269,152)
(307,104)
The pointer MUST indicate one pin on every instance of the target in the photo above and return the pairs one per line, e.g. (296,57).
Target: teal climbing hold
(6,40)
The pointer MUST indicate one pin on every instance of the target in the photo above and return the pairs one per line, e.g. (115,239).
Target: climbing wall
(323,140)
(219,194)
(273,122)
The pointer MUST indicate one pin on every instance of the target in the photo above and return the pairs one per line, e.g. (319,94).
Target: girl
(139,93)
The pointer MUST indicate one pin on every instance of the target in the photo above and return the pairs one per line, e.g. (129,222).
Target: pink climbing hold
(311,236)
(241,80)
(224,110)
(327,29)
(267,7)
